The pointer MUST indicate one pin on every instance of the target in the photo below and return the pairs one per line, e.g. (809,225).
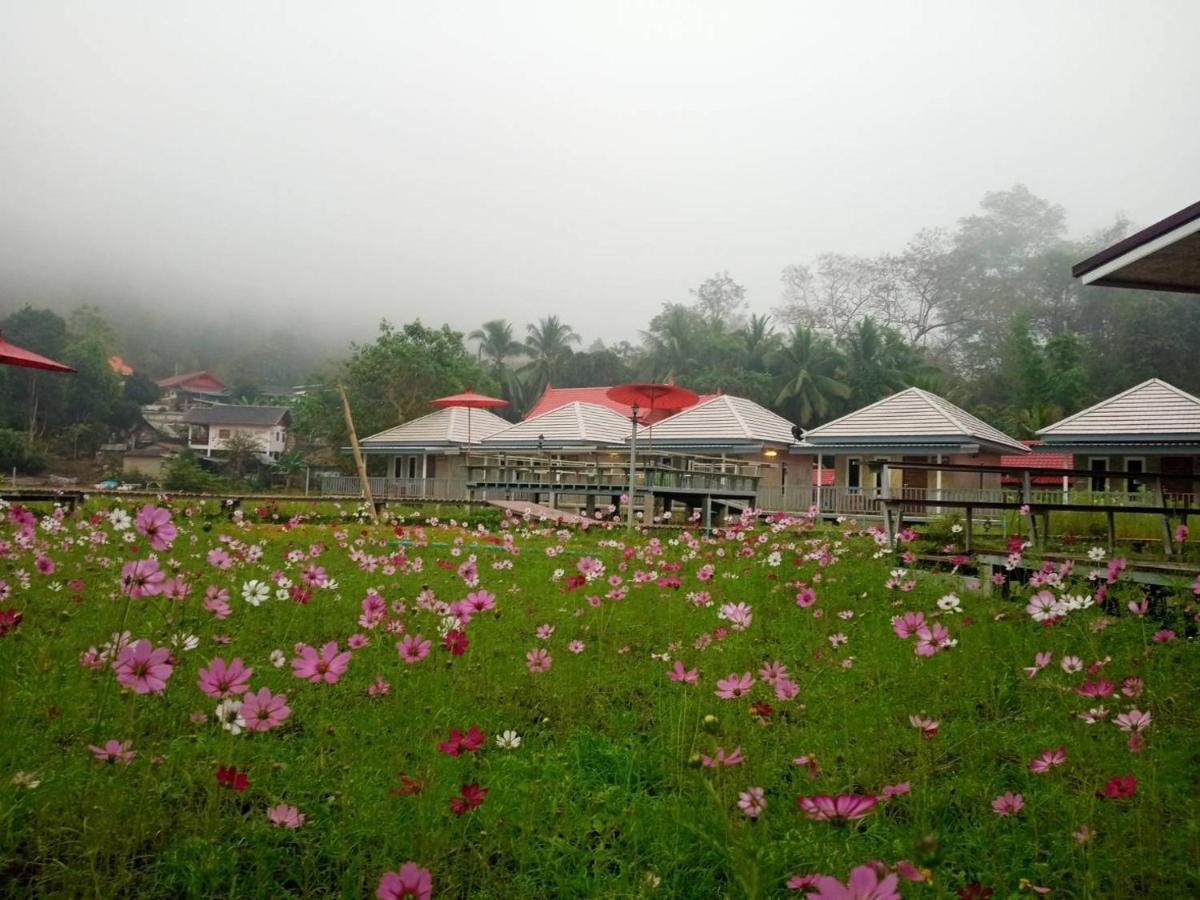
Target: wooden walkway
(537,511)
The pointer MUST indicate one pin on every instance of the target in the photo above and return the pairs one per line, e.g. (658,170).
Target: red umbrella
(648,395)
(12,355)
(470,400)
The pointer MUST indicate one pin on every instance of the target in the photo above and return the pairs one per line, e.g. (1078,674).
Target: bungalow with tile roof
(913,425)
(553,397)
(742,431)
(573,429)
(211,427)
(1151,427)
(433,446)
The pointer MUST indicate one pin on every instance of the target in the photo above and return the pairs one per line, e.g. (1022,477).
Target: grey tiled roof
(573,423)
(263,416)
(446,426)
(725,419)
(1152,408)
(912,417)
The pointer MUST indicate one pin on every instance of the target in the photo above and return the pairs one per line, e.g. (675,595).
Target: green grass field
(607,794)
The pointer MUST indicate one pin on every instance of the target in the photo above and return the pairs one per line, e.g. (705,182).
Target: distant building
(210,427)
(192,388)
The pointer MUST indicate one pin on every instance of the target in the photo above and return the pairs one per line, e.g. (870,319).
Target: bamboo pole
(358,458)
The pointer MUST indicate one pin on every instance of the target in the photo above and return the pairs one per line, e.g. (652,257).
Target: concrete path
(537,511)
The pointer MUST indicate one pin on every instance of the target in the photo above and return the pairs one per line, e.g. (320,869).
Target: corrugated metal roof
(1150,409)
(909,418)
(725,418)
(445,426)
(1036,459)
(263,416)
(574,423)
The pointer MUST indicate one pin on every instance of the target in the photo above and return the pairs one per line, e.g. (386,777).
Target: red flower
(761,710)
(471,797)
(471,741)
(408,785)
(232,778)
(9,619)
(1118,787)
(974,891)
(456,641)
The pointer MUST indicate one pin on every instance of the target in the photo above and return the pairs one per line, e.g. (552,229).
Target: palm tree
(808,368)
(496,344)
(673,342)
(759,341)
(878,362)
(548,346)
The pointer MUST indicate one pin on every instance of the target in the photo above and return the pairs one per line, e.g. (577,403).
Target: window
(223,433)
(854,473)
(412,467)
(1099,484)
(1134,465)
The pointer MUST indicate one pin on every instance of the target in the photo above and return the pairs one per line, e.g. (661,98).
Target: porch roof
(439,431)
(1162,257)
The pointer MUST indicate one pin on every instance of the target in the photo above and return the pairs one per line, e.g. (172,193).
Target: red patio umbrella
(12,355)
(470,400)
(648,395)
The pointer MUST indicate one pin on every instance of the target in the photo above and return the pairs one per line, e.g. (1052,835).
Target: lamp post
(632,458)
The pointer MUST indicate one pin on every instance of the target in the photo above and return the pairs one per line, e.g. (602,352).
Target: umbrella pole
(632,462)
(358,457)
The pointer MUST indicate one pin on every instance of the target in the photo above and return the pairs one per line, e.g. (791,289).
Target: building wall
(145,466)
(958,481)
(272,440)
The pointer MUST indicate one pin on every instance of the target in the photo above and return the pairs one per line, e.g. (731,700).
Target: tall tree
(548,347)
(496,344)
(808,368)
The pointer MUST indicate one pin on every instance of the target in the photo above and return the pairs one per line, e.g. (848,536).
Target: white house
(209,428)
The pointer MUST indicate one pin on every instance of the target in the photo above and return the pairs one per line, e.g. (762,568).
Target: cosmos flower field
(195,704)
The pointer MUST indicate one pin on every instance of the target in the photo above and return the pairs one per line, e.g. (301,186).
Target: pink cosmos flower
(263,710)
(679,673)
(772,672)
(1047,759)
(142,578)
(144,667)
(721,759)
(538,660)
(738,615)
(894,790)
(114,751)
(1071,664)
(865,883)
(734,686)
(379,688)
(809,761)
(806,597)
(155,523)
(1135,720)
(786,689)
(906,626)
(752,801)
(544,632)
(219,558)
(931,639)
(1008,804)
(1040,661)
(410,881)
(1098,688)
(575,646)
(840,809)
(44,564)
(285,816)
(1132,686)
(328,666)
(929,727)
(413,648)
(221,680)
(1164,635)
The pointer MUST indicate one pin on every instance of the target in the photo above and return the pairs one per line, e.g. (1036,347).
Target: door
(914,484)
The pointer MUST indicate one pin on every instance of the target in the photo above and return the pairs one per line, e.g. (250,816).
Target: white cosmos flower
(278,659)
(119,519)
(950,603)
(508,740)
(229,714)
(1097,553)
(255,592)
(184,641)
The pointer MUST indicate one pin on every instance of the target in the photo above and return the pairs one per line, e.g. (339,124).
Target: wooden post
(967,533)
(708,512)
(358,457)
(1161,497)
(1045,526)
(1112,530)
(1027,500)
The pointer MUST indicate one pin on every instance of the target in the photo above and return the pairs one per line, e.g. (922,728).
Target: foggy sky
(462,161)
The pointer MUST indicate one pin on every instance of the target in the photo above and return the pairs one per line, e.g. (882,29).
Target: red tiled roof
(553,398)
(1036,460)
(202,381)
(828,477)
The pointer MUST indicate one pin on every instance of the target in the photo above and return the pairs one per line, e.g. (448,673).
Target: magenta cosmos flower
(410,881)
(864,884)
(285,816)
(144,667)
(221,679)
(327,666)
(1135,720)
(263,710)
(142,578)
(538,660)
(413,648)
(752,801)
(734,686)
(1008,804)
(1047,760)
(840,809)
(114,751)
(679,673)
(155,523)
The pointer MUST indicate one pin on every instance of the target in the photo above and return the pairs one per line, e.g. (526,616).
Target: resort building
(425,456)
(575,429)
(916,426)
(210,428)
(1151,427)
